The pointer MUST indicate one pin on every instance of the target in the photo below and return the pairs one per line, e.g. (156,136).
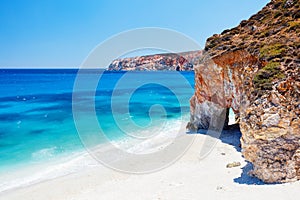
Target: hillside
(169,61)
(254,69)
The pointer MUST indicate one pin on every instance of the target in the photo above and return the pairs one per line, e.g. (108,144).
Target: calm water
(36,120)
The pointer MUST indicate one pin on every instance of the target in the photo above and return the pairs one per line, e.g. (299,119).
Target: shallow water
(36,121)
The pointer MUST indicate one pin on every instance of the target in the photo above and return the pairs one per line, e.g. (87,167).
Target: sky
(61,33)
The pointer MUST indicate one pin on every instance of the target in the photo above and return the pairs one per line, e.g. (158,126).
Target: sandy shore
(188,178)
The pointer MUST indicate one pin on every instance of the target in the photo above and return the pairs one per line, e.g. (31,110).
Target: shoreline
(80,160)
(29,174)
(214,180)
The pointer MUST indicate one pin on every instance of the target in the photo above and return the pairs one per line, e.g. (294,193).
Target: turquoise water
(36,119)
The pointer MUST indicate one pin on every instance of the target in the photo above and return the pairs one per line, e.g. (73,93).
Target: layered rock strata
(254,69)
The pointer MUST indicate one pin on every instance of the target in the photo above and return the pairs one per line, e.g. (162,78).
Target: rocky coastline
(162,62)
(254,69)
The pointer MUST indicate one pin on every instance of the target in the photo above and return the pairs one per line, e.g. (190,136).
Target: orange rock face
(254,69)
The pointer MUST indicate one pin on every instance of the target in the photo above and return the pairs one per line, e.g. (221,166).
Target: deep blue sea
(36,118)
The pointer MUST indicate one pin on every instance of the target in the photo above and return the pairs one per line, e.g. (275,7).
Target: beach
(38,136)
(151,101)
(190,177)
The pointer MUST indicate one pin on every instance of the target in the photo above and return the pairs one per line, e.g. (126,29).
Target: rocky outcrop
(169,61)
(254,69)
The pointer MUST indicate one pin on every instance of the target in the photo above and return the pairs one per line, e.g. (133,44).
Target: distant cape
(159,62)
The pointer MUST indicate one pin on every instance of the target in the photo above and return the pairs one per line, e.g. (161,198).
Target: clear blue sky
(61,33)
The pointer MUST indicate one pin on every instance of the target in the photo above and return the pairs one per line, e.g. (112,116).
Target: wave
(61,164)
(158,139)
(36,173)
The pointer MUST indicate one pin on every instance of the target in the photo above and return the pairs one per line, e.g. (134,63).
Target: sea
(45,120)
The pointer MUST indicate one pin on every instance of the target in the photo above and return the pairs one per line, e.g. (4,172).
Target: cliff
(254,69)
(169,61)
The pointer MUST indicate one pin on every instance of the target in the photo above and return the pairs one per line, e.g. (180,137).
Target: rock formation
(169,61)
(254,69)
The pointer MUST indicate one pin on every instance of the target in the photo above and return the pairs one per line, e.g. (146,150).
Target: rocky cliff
(169,61)
(254,69)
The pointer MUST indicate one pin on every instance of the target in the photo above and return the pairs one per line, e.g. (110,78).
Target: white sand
(189,178)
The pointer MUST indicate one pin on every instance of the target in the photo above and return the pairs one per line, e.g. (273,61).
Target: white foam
(162,138)
(44,153)
(41,172)
(78,161)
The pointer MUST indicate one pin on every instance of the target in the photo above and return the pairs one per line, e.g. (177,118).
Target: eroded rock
(257,75)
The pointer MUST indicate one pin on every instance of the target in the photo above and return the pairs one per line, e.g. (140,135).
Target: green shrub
(265,76)
(294,25)
(272,50)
